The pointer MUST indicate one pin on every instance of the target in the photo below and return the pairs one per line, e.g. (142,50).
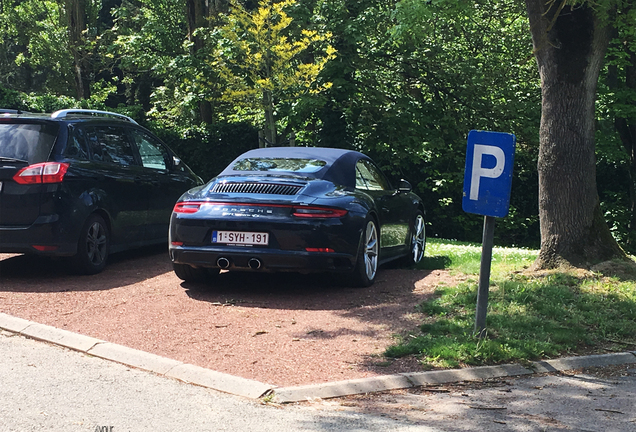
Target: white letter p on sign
(479,172)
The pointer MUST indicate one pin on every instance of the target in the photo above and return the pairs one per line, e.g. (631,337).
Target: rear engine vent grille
(256,188)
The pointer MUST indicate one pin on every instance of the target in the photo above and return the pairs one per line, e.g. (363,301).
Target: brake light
(187,207)
(319,250)
(298,211)
(44,248)
(318,212)
(46,172)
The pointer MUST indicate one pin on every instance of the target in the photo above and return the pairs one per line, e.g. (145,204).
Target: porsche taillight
(317,212)
(46,172)
(187,207)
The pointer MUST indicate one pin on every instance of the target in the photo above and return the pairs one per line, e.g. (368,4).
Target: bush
(209,149)
(11,99)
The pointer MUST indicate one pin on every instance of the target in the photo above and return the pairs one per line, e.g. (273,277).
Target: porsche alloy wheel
(418,241)
(367,265)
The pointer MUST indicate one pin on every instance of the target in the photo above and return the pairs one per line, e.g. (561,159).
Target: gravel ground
(280,329)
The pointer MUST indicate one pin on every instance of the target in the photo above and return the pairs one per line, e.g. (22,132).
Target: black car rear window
(279,164)
(30,142)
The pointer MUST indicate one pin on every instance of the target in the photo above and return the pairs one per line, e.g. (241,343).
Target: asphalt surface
(48,387)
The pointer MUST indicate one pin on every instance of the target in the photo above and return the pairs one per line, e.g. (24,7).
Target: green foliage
(11,99)
(208,150)
(529,317)
(408,86)
(42,103)
(262,65)
(402,80)
(616,112)
(146,43)
(34,45)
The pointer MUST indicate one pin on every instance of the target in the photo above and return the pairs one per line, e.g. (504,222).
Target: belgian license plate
(240,238)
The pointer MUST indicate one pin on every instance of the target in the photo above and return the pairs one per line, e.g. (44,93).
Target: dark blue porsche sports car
(300,209)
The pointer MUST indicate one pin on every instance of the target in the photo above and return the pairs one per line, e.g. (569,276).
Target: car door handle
(385,210)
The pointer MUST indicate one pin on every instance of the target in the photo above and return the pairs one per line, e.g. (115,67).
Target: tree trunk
(200,14)
(569,46)
(270,122)
(76,17)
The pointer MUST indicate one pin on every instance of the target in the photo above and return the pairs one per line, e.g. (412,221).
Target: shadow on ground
(30,273)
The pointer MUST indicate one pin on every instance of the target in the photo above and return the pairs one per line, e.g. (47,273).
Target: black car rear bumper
(269,259)
(55,234)
(40,239)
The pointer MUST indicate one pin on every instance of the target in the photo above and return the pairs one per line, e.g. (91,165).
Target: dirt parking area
(281,329)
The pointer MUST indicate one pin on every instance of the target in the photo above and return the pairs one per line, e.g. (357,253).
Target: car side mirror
(176,162)
(404,186)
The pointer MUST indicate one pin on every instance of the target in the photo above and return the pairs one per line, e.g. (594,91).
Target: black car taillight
(46,172)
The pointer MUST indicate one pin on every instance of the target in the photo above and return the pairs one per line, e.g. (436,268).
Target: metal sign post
(487,184)
(484,275)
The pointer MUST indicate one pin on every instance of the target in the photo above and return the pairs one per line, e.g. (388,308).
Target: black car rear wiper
(9,159)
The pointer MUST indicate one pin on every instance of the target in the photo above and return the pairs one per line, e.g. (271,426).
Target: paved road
(45,387)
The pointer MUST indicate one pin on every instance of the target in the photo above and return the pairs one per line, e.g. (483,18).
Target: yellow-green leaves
(263,61)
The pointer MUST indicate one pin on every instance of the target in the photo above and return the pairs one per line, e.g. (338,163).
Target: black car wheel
(93,246)
(193,274)
(418,240)
(367,264)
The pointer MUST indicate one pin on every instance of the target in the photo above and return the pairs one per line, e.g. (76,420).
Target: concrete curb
(132,357)
(219,381)
(569,363)
(135,358)
(408,380)
(253,389)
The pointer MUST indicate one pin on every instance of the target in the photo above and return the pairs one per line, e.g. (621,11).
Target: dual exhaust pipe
(253,263)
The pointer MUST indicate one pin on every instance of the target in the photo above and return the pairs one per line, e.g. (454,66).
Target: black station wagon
(83,184)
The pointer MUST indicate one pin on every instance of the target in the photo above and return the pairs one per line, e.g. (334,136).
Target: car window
(369,177)
(77,147)
(27,141)
(279,164)
(110,144)
(360,183)
(153,154)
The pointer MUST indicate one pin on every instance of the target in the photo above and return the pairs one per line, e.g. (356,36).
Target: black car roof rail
(66,112)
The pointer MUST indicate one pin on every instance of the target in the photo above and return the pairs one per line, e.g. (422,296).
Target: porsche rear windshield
(279,164)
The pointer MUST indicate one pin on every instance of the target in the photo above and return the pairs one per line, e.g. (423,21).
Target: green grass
(530,315)
(462,257)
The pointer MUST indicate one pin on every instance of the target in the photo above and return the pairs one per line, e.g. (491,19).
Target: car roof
(339,163)
(72,114)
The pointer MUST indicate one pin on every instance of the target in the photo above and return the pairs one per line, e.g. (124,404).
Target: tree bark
(200,14)
(569,47)
(271,134)
(76,18)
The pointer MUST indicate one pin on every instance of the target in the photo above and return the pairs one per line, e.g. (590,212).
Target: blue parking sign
(488,174)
